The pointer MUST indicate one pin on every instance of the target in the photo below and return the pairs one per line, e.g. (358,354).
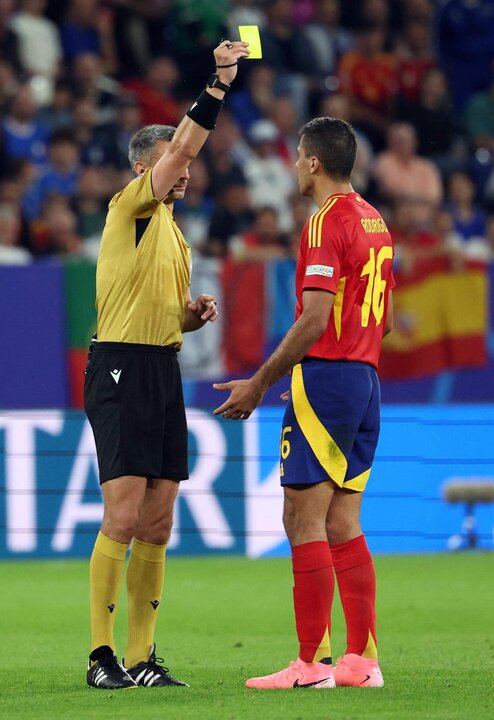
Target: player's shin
(357,587)
(144,588)
(105,582)
(313,597)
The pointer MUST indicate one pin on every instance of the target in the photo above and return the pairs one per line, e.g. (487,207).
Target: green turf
(226,619)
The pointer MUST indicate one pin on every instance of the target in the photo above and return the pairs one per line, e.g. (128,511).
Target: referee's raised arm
(194,129)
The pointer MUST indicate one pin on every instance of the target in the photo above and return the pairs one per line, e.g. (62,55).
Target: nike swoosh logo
(193,106)
(365,679)
(115,375)
(312,684)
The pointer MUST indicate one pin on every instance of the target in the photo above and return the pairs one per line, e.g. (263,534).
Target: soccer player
(331,424)
(133,391)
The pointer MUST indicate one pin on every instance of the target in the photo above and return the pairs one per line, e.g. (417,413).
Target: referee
(133,391)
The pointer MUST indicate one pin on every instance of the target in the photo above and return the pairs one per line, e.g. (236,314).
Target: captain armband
(205,110)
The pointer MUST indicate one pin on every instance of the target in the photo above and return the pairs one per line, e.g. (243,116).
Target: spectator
(155,92)
(263,241)
(139,32)
(253,102)
(469,220)
(327,39)
(8,82)
(57,115)
(110,144)
(24,135)
(475,248)
(193,213)
(369,75)
(338,106)
(284,116)
(196,26)
(400,173)
(267,178)
(232,216)
(87,29)
(286,51)
(60,176)
(9,41)
(91,84)
(225,153)
(415,247)
(61,233)
(479,119)
(415,58)
(433,120)
(40,47)
(302,208)
(90,204)
(12,189)
(11,253)
(466,46)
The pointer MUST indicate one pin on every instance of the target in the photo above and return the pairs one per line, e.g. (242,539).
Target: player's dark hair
(144,140)
(333,143)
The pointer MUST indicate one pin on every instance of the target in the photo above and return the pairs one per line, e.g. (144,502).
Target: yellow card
(250,34)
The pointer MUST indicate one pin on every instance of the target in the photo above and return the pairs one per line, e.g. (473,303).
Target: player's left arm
(246,395)
(198,312)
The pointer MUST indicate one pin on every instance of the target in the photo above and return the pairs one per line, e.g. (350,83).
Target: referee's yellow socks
(144,587)
(106,571)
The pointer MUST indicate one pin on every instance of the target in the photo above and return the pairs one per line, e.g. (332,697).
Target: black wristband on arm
(205,110)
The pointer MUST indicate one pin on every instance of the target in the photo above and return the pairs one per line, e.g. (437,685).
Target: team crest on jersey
(325,270)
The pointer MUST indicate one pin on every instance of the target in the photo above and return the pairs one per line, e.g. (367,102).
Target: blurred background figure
(24,135)
(40,48)
(193,213)
(369,75)
(402,174)
(155,92)
(263,241)
(266,175)
(11,251)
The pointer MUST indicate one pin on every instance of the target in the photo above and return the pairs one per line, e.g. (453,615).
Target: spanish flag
(440,321)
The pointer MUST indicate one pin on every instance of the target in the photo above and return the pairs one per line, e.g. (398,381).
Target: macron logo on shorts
(325,270)
(115,375)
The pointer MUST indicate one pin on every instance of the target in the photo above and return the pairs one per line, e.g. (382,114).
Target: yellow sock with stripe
(106,570)
(144,587)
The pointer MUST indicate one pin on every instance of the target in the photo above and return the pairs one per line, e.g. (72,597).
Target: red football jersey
(346,249)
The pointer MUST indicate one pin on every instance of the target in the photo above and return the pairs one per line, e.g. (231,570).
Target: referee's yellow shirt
(143,272)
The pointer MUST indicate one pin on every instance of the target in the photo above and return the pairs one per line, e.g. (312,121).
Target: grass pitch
(223,620)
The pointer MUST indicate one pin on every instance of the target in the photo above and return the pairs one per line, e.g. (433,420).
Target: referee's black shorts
(134,401)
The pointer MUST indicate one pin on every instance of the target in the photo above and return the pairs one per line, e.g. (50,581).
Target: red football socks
(313,596)
(357,585)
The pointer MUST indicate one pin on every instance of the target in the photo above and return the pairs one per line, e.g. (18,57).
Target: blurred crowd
(415,78)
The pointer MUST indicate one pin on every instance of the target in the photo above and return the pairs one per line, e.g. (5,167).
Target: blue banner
(33,364)
(51,502)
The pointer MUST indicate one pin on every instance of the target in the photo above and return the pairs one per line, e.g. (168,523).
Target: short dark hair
(144,140)
(333,143)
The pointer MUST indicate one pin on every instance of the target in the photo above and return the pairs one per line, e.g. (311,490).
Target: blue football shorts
(331,424)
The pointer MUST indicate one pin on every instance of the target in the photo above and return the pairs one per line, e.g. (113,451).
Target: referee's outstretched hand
(226,57)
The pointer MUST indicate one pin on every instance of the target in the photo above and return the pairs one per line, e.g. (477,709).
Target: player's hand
(245,396)
(285,396)
(204,307)
(229,53)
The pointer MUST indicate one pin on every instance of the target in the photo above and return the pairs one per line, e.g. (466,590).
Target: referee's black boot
(105,672)
(150,674)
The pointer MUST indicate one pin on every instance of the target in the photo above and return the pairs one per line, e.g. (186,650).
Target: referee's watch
(215,82)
